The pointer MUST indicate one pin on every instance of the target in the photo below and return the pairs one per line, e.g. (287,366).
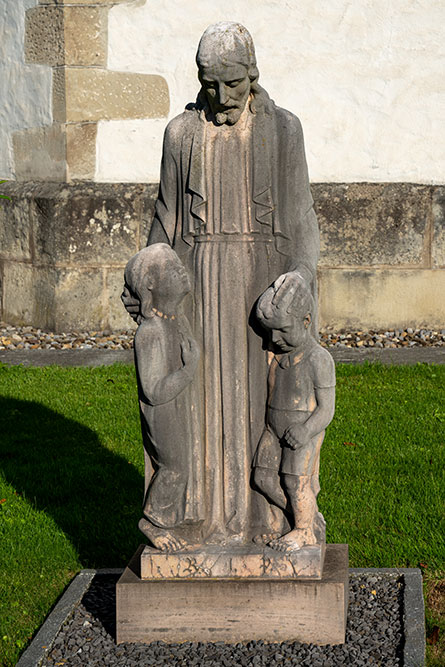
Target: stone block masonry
(58,35)
(72,37)
(382,255)
(63,248)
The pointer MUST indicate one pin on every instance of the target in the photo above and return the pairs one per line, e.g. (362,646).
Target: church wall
(63,249)
(25,89)
(365,78)
(90,85)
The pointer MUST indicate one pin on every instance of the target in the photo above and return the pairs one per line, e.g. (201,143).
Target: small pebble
(18,338)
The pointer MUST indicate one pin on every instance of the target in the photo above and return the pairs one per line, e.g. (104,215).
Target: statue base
(235,608)
(246,561)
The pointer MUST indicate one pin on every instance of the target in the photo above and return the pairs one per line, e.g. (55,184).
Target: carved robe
(234,202)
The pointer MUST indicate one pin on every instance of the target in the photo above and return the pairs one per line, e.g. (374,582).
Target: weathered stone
(72,289)
(18,303)
(57,217)
(300,406)
(92,94)
(71,224)
(361,308)
(378,298)
(438,242)
(44,36)
(40,154)
(85,31)
(65,35)
(235,204)
(236,609)
(242,561)
(118,319)
(15,242)
(149,203)
(81,150)
(366,224)
(59,95)
(52,298)
(87,3)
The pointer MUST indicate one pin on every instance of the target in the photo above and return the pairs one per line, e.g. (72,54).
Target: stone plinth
(243,561)
(235,609)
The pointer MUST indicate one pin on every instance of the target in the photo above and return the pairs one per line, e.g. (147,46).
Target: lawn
(72,477)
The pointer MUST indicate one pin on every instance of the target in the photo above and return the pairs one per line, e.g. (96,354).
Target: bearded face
(227,88)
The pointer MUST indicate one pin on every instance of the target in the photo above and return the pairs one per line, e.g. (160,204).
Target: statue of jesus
(235,204)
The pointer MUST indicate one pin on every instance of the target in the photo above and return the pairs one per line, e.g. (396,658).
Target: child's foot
(265,538)
(161,538)
(294,540)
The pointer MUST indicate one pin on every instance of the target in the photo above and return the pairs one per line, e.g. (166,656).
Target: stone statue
(235,204)
(300,405)
(166,357)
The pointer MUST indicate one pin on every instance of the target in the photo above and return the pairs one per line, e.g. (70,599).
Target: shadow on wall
(62,469)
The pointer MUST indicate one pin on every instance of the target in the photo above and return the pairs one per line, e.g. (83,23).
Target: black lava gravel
(374,635)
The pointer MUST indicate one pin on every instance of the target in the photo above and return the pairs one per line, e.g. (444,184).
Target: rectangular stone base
(235,561)
(235,609)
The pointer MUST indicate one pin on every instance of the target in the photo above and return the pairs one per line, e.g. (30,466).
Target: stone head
(227,70)
(285,311)
(156,275)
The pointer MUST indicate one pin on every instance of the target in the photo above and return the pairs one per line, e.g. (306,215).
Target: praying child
(166,357)
(300,405)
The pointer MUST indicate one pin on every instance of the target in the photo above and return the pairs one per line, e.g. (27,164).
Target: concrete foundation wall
(63,249)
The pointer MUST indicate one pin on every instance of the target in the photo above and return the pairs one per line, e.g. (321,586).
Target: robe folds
(235,204)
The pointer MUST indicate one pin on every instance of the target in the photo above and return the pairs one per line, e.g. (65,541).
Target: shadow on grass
(61,468)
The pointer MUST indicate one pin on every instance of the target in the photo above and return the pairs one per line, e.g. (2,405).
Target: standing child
(166,357)
(300,405)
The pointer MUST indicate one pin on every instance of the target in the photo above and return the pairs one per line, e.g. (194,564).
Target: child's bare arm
(323,376)
(300,434)
(159,388)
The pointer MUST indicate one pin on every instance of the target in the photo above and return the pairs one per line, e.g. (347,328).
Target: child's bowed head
(155,271)
(289,295)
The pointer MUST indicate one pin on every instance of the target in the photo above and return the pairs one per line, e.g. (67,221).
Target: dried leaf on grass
(433,636)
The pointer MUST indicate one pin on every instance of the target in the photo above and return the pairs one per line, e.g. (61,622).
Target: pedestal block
(246,561)
(234,609)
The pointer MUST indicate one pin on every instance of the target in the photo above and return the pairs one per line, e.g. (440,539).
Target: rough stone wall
(63,249)
(25,90)
(382,261)
(71,38)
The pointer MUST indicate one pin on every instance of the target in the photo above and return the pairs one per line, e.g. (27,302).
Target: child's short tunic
(293,380)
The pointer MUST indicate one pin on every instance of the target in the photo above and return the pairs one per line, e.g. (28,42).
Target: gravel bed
(30,338)
(374,635)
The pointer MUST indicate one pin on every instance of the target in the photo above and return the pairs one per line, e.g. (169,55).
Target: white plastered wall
(25,90)
(366,78)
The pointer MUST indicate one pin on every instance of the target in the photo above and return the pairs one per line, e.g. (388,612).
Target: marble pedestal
(273,605)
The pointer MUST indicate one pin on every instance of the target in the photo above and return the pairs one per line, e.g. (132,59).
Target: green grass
(72,478)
